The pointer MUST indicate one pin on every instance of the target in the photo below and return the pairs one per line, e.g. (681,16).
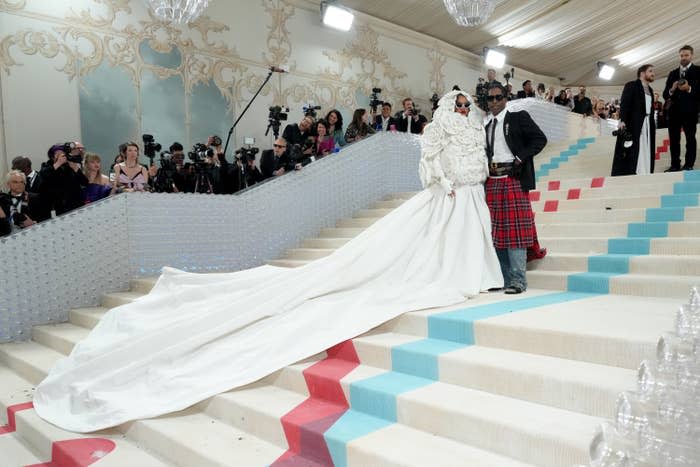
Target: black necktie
(492,143)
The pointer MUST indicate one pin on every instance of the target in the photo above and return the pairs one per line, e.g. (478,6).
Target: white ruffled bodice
(453,152)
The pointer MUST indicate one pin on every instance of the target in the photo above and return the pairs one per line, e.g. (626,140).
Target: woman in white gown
(195,336)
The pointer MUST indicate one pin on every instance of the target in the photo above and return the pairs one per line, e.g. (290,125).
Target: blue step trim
(629,246)
(420,358)
(680,201)
(686,187)
(376,396)
(617,264)
(590,282)
(351,425)
(665,214)
(647,229)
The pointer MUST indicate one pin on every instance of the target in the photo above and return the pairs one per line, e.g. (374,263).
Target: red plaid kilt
(512,222)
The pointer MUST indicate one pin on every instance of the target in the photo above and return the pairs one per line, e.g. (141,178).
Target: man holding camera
(63,181)
(298,133)
(385,121)
(410,120)
(634,149)
(513,139)
(681,94)
(527,90)
(582,104)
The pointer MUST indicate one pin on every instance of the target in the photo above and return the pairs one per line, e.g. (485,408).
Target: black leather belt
(498,169)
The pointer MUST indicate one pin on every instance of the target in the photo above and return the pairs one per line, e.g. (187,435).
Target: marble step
(86,317)
(619,229)
(356,222)
(401,195)
(691,214)
(16,453)
(372,213)
(618,202)
(143,284)
(59,337)
(608,330)
(306,254)
(114,299)
(288,263)
(599,245)
(585,181)
(643,264)
(388,204)
(566,384)
(324,243)
(335,232)
(608,192)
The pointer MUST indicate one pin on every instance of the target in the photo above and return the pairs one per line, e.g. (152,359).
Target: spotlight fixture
(605,71)
(494,58)
(335,16)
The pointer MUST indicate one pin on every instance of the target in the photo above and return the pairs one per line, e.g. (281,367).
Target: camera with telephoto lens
(296,151)
(246,154)
(682,81)
(310,110)
(199,153)
(150,146)
(67,149)
(374,100)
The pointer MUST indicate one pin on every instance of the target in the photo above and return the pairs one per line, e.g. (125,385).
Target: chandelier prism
(470,12)
(178,11)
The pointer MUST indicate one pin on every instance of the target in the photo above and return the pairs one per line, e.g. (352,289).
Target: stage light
(605,71)
(336,17)
(495,59)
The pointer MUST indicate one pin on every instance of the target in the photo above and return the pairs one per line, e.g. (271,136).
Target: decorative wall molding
(437,73)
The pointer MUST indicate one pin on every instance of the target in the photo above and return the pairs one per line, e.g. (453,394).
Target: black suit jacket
(683,103)
(523,95)
(416,126)
(378,123)
(269,163)
(525,140)
(632,113)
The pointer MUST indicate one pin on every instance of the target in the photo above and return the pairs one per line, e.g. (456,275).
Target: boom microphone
(276,69)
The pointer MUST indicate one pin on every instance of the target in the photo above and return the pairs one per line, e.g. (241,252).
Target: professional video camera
(482,92)
(67,149)
(246,154)
(150,146)
(199,153)
(434,100)
(296,151)
(508,75)
(374,100)
(277,113)
(310,110)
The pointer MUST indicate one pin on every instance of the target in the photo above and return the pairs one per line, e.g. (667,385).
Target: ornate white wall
(105,71)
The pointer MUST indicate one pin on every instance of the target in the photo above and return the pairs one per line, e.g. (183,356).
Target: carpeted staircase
(496,381)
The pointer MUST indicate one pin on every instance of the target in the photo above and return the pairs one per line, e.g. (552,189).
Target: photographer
(527,90)
(177,157)
(243,173)
(18,208)
(410,120)
(276,161)
(63,181)
(299,133)
(385,121)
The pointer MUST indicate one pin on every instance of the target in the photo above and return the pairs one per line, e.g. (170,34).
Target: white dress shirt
(501,151)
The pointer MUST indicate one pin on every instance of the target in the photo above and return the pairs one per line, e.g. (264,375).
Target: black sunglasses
(459,105)
(498,97)
(279,146)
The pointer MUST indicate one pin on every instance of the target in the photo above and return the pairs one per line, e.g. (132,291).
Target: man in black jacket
(24,165)
(276,161)
(513,139)
(19,209)
(527,90)
(385,121)
(410,120)
(582,104)
(682,91)
(63,181)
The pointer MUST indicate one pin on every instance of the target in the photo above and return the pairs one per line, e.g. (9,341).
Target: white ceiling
(561,38)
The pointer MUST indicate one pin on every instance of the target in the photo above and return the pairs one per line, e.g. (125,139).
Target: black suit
(29,206)
(416,125)
(525,140)
(633,111)
(378,123)
(34,184)
(62,189)
(522,94)
(683,113)
(269,163)
(292,134)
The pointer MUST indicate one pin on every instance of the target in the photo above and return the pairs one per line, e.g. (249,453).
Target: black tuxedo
(524,139)
(633,111)
(683,113)
(378,123)
(34,184)
(30,206)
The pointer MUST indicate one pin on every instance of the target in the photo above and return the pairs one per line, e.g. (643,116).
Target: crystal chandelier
(178,11)
(470,12)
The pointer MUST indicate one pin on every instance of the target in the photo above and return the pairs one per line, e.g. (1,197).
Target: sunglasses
(279,145)
(498,97)
(459,105)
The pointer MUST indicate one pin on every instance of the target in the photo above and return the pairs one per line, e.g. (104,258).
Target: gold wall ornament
(437,73)
(279,44)
(205,25)
(29,43)
(113,7)
(8,5)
